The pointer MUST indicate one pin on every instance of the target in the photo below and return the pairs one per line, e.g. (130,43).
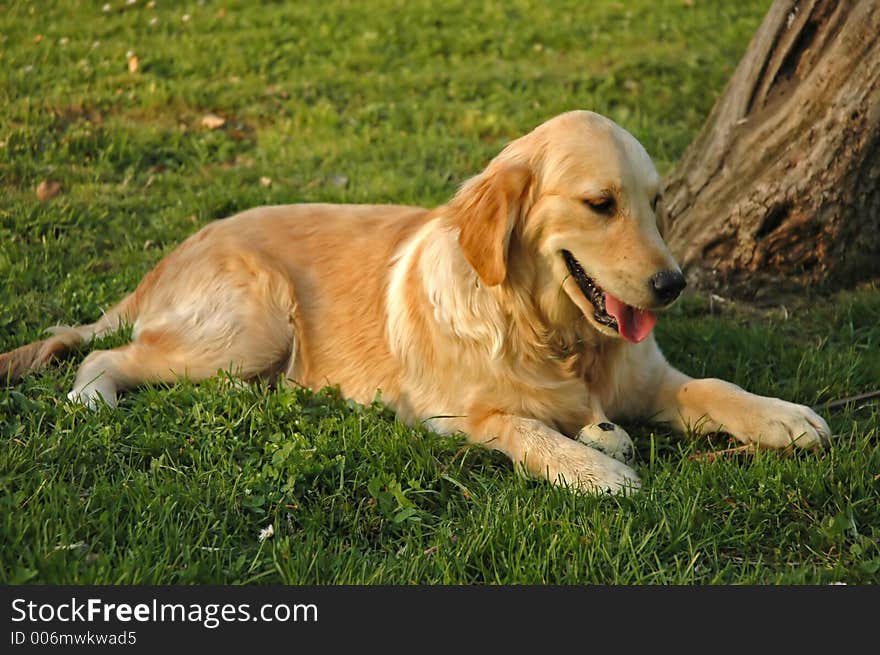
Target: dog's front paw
(780,424)
(590,471)
(608,438)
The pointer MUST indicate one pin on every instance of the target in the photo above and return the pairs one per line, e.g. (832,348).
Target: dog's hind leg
(167,355)
(161,357)
(196,342)
(98,377)
(202,310)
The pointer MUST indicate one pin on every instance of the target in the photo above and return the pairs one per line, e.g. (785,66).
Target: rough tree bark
(781,188)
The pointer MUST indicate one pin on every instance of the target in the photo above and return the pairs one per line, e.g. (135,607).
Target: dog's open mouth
(632,323)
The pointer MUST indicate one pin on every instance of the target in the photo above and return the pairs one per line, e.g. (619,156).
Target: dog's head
(568,210)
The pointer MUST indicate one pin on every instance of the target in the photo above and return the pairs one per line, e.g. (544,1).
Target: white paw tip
(90,400)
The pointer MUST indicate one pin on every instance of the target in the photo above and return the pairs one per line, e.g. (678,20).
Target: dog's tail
(34,356)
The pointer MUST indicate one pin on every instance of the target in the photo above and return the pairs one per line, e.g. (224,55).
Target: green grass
(404,100)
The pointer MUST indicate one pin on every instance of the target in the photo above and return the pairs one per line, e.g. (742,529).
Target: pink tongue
(633,324)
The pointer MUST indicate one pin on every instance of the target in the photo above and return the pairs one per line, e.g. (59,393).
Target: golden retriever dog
(519,313)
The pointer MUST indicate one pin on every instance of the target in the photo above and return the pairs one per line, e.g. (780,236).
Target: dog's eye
(603,205)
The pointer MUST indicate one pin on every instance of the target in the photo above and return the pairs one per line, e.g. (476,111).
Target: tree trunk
(781,188)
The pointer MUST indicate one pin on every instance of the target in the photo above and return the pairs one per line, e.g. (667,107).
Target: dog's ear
(485,211)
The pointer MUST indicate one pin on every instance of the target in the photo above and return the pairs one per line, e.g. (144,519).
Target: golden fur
(464,316)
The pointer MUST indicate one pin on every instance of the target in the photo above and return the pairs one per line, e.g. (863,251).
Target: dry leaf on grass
(48,189)
(266,181)
(213,121)
(339,180)
(133,64)
(850,400)
(712,455)
(748,449)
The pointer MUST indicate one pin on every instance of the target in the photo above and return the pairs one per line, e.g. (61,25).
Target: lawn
(379,101)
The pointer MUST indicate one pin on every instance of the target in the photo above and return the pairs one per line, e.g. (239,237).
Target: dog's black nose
(667,285)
